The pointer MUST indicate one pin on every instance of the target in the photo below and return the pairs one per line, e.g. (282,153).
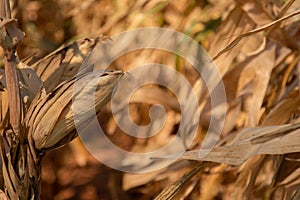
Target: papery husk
(10,34)
(64,63)
(31,84)
(50,117)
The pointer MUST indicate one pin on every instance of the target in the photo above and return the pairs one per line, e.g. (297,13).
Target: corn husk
(64,63)
(50,117)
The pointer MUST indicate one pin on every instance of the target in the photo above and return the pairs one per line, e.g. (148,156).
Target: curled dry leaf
(282,112)
(257,30)
(10,35)
(31,84)
(174,190)
(236,23)
(255,11)
(50,117)
(64,63)
(288,182)
(249,142)
(264,64)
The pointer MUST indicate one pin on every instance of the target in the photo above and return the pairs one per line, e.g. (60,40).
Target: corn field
(49,50)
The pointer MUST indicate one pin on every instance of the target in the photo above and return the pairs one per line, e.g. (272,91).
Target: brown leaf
(175,189)
(236,23)
(255,11)
(31,84)
(262,28)
(252,141)
(263,65)
(12,85)
(10,35)
(283,111)
(64,63)
(4,108)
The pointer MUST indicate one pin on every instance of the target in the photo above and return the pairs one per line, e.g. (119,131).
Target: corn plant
(36,106)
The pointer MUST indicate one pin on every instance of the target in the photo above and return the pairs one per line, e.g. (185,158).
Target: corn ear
(50,117)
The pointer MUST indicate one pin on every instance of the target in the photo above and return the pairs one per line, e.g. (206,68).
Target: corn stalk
(36,106)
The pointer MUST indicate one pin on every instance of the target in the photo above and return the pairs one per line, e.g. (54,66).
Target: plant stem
(12,89)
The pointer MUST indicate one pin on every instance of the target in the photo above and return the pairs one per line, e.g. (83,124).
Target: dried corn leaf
(293,178)
(175,190)
(255,71)
(10,34)
(255,11)
(236,23)
(287,178)
(245,183)
(50,117)
(64,63)
(252,141)
(31,84)
(246,179)
(212,181)
(261,66)
(283,111)
(4,108)
(254,31)
(10,180)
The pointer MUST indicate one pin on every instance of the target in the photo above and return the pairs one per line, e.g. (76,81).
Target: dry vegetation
(256,46)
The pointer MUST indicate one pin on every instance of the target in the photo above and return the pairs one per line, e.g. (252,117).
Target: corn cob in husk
(50,117)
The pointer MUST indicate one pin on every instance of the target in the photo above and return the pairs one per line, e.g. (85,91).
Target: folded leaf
(250,142)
